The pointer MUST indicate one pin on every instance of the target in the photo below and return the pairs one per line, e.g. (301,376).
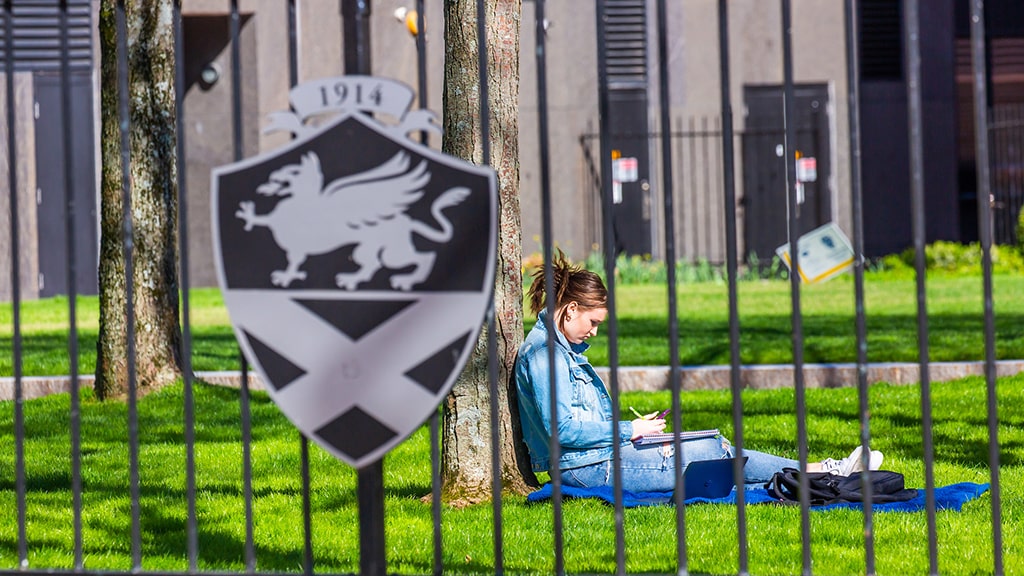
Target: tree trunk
(466,452)
(154,196)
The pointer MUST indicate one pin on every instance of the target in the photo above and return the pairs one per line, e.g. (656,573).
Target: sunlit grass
(955,322)
(961,455)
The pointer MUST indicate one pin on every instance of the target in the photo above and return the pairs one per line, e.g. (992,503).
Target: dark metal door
(51,131)
(764,199)
(631,200)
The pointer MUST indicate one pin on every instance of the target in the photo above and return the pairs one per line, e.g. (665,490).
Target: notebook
(709,478)
(664,437)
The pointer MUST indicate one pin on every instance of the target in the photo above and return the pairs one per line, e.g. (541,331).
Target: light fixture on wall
(410,18)
(209,75)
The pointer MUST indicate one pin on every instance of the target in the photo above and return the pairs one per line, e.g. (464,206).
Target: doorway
(764,200)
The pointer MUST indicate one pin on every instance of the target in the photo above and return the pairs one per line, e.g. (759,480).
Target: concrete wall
(756,59)
(25,154)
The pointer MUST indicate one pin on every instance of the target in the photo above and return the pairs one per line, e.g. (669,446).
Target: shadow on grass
(643,341)
(960,441)
(827,338)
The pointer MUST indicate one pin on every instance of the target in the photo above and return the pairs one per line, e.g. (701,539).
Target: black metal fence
(717,189)
(696,145)
(1007,135)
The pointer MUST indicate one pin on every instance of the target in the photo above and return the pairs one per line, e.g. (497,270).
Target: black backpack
(826,488)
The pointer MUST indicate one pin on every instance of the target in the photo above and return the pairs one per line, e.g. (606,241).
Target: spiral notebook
(664,437)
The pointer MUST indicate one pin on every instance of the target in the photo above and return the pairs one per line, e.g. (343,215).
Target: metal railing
(371,522)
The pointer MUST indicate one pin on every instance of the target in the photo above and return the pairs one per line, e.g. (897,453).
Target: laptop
(709,478)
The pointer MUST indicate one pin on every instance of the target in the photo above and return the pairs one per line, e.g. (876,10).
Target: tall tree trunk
(466,453)
(153,183)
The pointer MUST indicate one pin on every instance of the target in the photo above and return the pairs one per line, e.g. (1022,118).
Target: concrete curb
(638,378)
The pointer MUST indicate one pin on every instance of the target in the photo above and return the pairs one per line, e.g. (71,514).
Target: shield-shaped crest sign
(356,264)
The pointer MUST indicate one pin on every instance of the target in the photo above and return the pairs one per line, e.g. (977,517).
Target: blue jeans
(651,468)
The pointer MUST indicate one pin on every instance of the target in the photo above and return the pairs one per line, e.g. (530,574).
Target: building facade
(756,80)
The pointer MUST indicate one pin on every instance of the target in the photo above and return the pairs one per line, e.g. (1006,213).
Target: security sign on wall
(356,263)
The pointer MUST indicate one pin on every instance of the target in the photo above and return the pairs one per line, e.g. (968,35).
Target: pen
(633,410)
(663,414)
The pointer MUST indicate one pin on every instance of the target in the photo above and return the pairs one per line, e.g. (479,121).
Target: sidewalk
(636,378)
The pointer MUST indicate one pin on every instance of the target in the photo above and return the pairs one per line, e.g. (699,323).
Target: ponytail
(573,283)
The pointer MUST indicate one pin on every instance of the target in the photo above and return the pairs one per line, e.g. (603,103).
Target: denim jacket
(584,406)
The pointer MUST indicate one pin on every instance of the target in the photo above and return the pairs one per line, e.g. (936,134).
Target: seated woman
(585,408)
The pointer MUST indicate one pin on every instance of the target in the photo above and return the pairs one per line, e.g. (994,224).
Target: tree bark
(154,210)
(466,453)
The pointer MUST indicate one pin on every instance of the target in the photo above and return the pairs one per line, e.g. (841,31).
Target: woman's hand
(647,425)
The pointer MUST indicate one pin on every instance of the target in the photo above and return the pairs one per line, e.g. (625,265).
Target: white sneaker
(852,463)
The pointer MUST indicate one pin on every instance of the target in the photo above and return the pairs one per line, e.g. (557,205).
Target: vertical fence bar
(604,106)
(492,340)
(245,406)
(705,142)
(913,65)
(720,235)
(732,267)
(997,140)
(307,515)
(72,270)
(128,251)
(694,206)
(794,277)
(370,478)
(1011,185)
(981,140)
(857,207)
(307,507)
(681,162)
(550,295)
(665,120)
(1016,186)
(191,523)
(12,181)
(435,418)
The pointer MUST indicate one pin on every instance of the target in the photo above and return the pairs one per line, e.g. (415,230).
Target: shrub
(635,269)
(957,258)
(1020,231)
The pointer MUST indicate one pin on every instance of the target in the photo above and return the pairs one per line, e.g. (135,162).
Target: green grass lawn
(954,311)
(955,317)
(774,533)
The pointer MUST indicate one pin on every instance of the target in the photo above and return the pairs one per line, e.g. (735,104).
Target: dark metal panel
(885,176)
(50,181)
(885,150)
(631,218)
(765,170)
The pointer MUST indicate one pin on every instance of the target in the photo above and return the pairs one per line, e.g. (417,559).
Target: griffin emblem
(372,204)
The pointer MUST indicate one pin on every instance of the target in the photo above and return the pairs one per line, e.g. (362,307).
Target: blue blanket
(951,497)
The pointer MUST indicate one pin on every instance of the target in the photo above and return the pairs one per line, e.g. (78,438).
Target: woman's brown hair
(573,283)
